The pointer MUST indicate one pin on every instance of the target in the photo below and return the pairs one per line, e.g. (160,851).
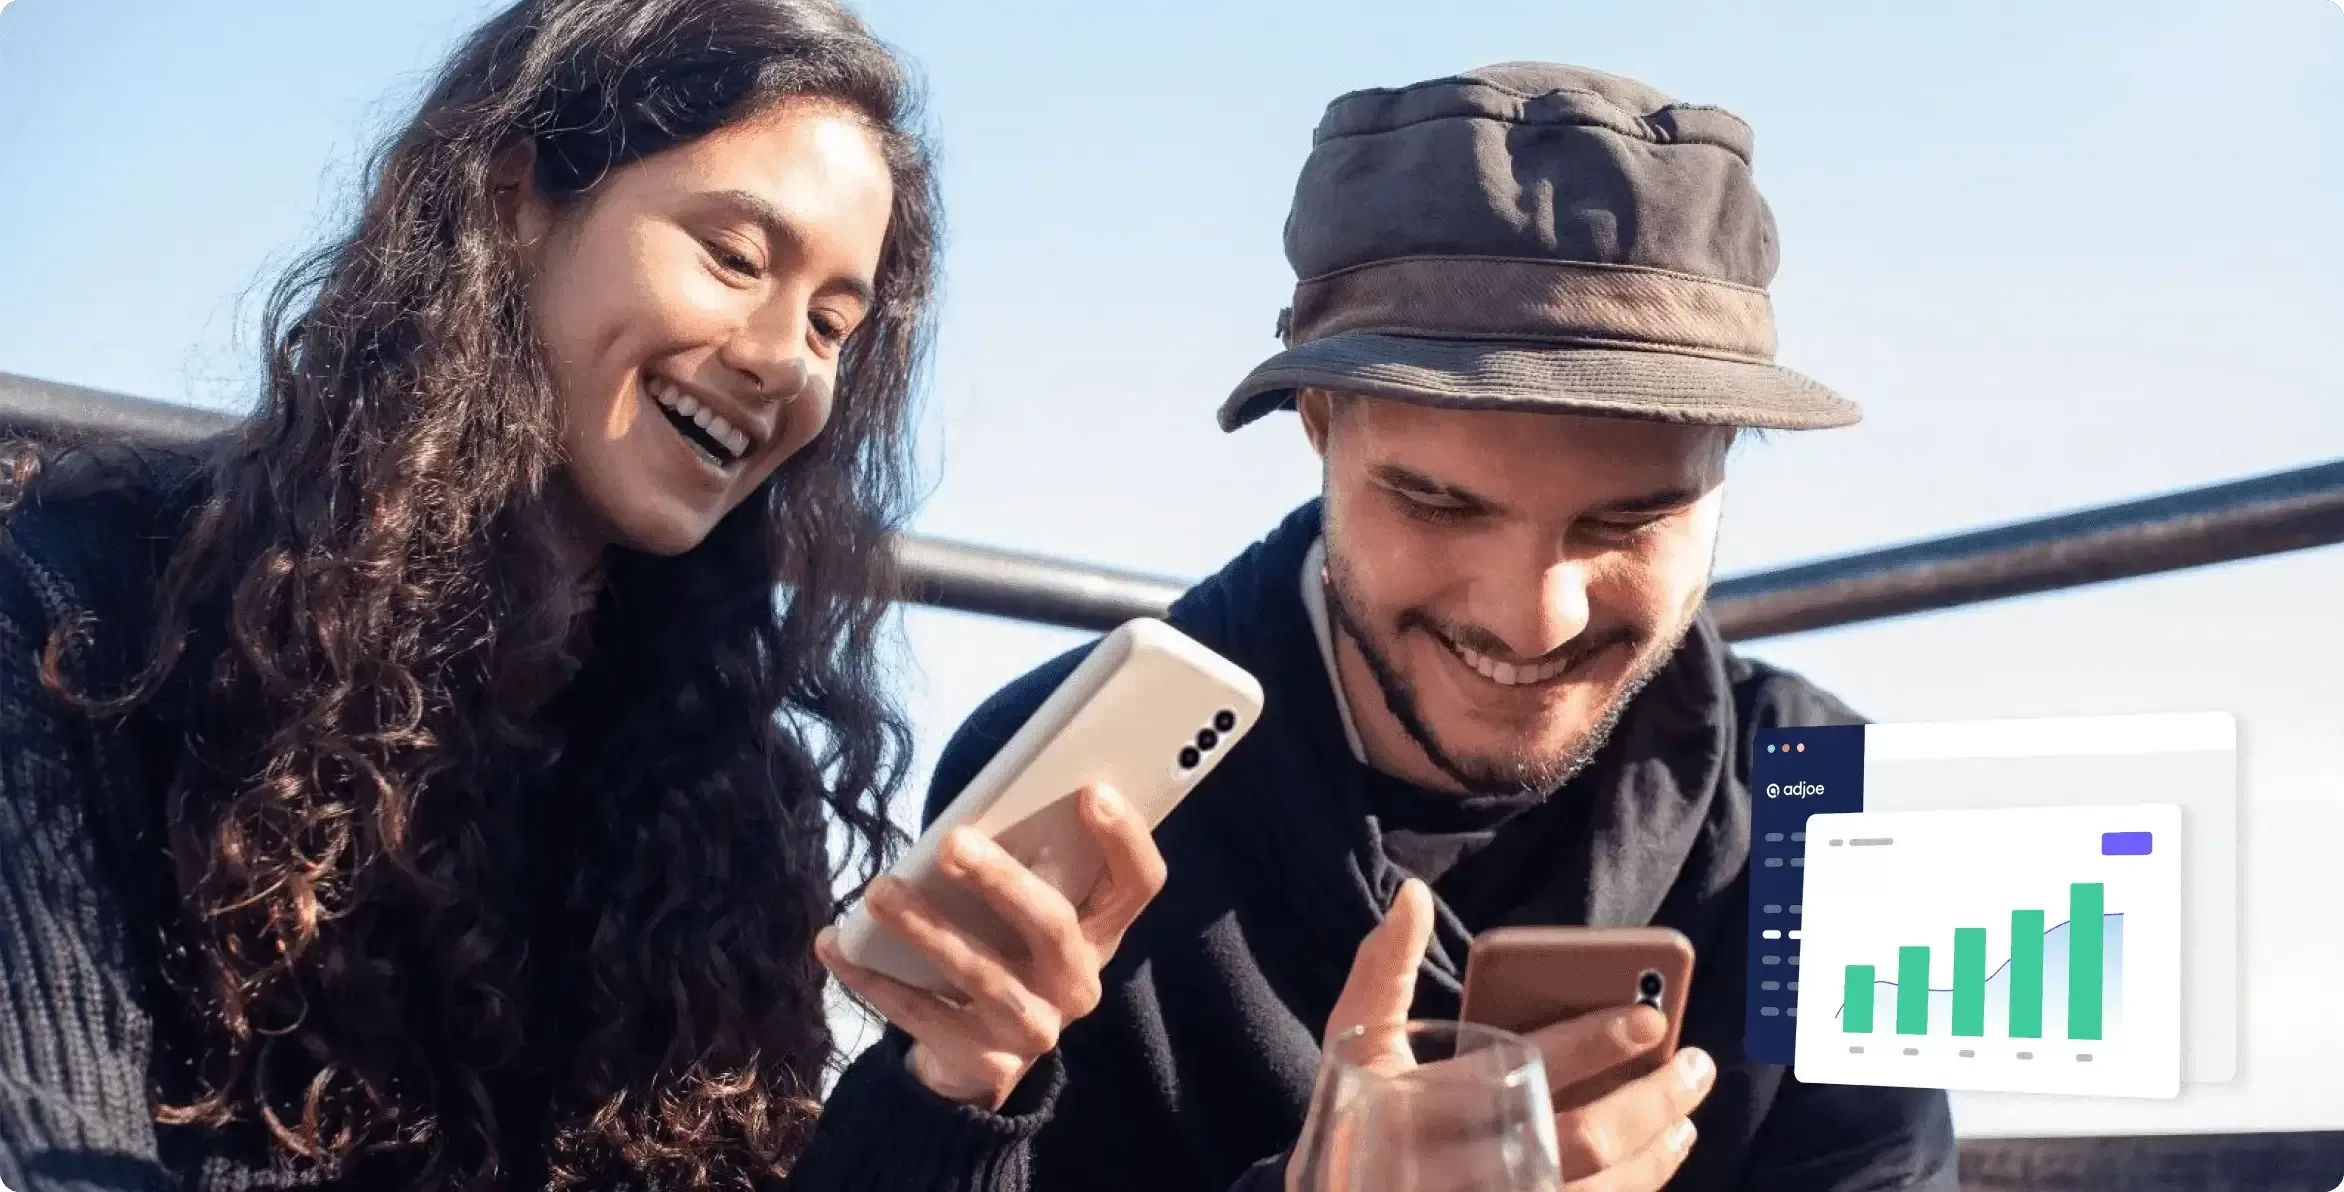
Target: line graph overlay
(2020,950)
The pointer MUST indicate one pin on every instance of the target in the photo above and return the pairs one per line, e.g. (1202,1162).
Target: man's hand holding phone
(1005,1011)
(1631,1139)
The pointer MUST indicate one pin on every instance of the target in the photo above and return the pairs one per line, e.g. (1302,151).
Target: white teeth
(734,438)
(1507,674)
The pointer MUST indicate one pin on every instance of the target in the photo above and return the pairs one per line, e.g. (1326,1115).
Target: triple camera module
(1192,756)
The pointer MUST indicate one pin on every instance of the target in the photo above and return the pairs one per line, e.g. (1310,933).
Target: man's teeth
(734,439)
(1508,674)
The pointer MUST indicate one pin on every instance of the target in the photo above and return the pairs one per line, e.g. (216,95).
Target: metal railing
(2265,515)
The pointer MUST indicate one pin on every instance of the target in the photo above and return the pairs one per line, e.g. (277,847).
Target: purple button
(2124,844)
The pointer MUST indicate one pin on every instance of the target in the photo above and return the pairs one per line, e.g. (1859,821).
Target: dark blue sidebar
(1794,773)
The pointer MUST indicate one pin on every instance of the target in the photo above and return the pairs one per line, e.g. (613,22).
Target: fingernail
(1693,1067)
(1106,802)
(1680,1137)
(960,849)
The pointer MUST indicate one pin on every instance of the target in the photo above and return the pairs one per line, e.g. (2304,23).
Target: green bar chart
(2030,950)
(2082,939)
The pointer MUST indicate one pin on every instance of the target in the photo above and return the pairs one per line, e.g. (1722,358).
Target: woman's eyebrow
(781,228)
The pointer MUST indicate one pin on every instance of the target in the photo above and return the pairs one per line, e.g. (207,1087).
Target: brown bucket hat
(1538,237)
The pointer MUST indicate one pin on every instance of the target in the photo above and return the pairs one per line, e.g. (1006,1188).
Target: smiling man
(1531,322)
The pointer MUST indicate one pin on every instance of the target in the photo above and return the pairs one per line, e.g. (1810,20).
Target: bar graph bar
(1912,991)
(2086,957)
(2026,974)
(1859,998)
(1969,980)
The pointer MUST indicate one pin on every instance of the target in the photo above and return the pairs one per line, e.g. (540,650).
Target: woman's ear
(513,188)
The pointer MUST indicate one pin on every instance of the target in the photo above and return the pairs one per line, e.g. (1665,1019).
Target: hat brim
(1542,378)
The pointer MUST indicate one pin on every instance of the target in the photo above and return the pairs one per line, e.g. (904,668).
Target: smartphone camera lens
(1189,757)
(1206,739)
(1224,720)
(1649,986)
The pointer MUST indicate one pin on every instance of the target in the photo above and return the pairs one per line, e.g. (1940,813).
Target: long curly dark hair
(430,928)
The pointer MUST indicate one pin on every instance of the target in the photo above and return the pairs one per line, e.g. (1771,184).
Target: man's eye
(1437,513)
(1619,530)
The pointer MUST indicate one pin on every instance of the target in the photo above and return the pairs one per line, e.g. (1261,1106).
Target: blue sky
(2064,254)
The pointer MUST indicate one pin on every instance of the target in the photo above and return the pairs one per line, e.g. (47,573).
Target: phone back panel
(1121,719)
(1524,979)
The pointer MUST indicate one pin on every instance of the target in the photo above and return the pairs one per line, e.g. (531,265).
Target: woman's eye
(830,327)
(732,261)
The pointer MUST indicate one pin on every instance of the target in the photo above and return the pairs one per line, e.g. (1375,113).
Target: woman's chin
(666,533)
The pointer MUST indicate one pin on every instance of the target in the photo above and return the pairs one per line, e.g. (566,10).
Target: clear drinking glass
(1429,1107)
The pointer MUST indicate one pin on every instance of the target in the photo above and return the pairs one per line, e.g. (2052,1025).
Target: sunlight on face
(693,310)
(1507,580)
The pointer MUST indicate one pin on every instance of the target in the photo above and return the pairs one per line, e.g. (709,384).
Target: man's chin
(1528,740)
(1515,774)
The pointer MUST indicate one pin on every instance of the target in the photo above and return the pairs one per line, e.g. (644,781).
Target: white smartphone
(1150,712)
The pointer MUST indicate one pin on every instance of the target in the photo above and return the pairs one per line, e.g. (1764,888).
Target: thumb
(1383,973)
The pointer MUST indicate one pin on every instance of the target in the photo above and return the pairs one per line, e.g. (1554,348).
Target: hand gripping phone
(1150,712)
(1524,979)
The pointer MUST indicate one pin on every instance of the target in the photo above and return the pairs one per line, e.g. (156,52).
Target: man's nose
(1537,610)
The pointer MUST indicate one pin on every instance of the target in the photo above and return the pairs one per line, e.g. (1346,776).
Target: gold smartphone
(1524,979)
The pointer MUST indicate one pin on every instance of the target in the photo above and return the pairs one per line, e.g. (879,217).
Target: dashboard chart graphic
(2022,950)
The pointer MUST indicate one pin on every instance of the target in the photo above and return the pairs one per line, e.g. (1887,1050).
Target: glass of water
(1429,1107)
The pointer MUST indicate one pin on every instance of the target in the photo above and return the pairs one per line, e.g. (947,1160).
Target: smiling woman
(695,312)
(422,787)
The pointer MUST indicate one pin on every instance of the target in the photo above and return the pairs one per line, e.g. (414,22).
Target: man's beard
(1519,773)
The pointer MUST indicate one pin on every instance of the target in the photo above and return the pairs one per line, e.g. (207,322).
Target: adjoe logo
(1796,790)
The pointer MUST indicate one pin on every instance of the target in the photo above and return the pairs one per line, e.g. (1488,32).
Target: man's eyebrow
(780,227)
(1401,477)
(1666,501)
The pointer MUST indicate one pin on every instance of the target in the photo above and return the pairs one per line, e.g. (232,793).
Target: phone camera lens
(1224,720)
(1189,757)
(1206,739)
(1649,984)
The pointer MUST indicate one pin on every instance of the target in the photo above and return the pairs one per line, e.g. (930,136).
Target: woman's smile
(699,422)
